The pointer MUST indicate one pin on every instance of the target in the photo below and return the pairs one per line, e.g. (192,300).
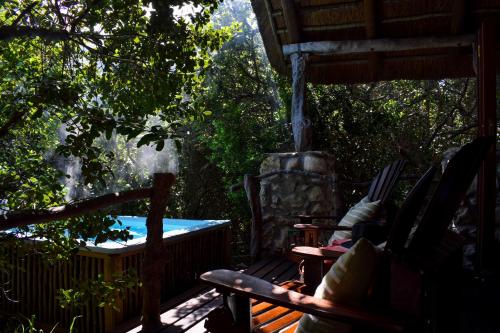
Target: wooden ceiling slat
(370,18)
(395,9)
(315,3)
(351,14)
(351,32)
(458,17)
(291,21)
(425,27)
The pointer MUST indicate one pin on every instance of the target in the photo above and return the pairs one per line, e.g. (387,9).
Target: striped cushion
(362,211)
(346,282)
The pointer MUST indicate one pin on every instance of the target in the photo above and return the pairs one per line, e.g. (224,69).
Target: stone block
(315,193)
(271,163)
(315,164)
(292,163)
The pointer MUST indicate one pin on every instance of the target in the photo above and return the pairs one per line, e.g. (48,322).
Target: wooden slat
(182,310)
(198,328)
(278,270)
(193,318)
(290,274)
(280,322)
(291,21)
(268,268)
(269,315)
(253,269)
(291,328)
(261,307)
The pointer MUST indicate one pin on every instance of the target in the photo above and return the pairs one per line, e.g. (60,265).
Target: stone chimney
(300,183)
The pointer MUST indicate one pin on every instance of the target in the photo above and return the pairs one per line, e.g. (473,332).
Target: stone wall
(301,183)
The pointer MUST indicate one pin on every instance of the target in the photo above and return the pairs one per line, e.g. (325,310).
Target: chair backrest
(452,187)
(408,213)
(383,184)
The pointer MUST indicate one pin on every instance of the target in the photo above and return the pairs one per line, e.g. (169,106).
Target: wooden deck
(188,311)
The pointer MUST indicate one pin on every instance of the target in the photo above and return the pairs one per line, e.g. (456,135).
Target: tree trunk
(153,253)
(301,125)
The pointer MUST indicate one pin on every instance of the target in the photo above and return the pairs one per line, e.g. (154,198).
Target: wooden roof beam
(378,45)
(291,21)
(458,17)
(370,18)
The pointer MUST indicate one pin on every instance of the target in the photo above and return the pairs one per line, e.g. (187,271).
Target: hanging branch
(24,218)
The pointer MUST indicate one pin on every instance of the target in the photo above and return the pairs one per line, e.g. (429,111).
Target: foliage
(367,126)
(81,81)
(105,294)
(28,325)
(246,122)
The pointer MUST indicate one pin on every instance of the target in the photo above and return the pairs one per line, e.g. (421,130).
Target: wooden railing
(153,254)
(35,283)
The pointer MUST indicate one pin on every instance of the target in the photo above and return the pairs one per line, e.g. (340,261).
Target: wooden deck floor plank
(263,273)
(172,316)
(269,315)
(254,268)
(287,268)
(280,323)
(260,307)
(193,318)
(278,270)
(134,325)
(199,328)
(291,328)
(291,274)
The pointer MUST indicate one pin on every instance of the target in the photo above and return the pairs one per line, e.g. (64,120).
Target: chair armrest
(303,226)
(308,218)
(228,281)
(316,253)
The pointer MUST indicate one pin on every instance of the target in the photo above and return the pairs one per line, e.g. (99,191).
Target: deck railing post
(487,128)
(153,262)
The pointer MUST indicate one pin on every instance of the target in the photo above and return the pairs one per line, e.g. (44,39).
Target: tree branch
(10,32)
(13,120)
(24,218)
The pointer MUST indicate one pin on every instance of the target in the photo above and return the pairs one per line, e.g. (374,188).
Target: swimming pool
(190,248)
(137,228)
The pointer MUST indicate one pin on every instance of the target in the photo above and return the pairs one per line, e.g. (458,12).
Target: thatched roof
(283,22)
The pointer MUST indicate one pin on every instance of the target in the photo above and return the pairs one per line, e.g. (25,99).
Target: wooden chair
(380,189)
(314,263)
(411,272)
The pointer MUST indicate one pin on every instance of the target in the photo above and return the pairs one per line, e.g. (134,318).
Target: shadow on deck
(188,311)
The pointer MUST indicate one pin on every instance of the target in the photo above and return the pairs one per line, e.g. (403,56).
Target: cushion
(362,211)
(347,282)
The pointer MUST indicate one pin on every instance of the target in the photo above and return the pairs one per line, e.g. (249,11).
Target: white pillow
(364,210)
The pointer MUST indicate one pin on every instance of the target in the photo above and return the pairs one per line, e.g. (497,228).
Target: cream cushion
(364,210)
(346,283)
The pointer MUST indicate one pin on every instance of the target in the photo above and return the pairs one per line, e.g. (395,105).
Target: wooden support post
(313,272)
(487,128)
(154,257)
(250,183)
(113,267)
(301,125)
(241,311)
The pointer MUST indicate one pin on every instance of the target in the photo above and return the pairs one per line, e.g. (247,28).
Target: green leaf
(160,145)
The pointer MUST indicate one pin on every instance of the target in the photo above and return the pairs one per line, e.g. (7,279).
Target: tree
(77,73)
(246,121)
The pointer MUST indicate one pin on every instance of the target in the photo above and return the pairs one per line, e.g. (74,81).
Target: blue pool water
(137,229)
(137,225)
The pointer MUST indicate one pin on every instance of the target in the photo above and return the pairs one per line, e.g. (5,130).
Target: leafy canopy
(75,73)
